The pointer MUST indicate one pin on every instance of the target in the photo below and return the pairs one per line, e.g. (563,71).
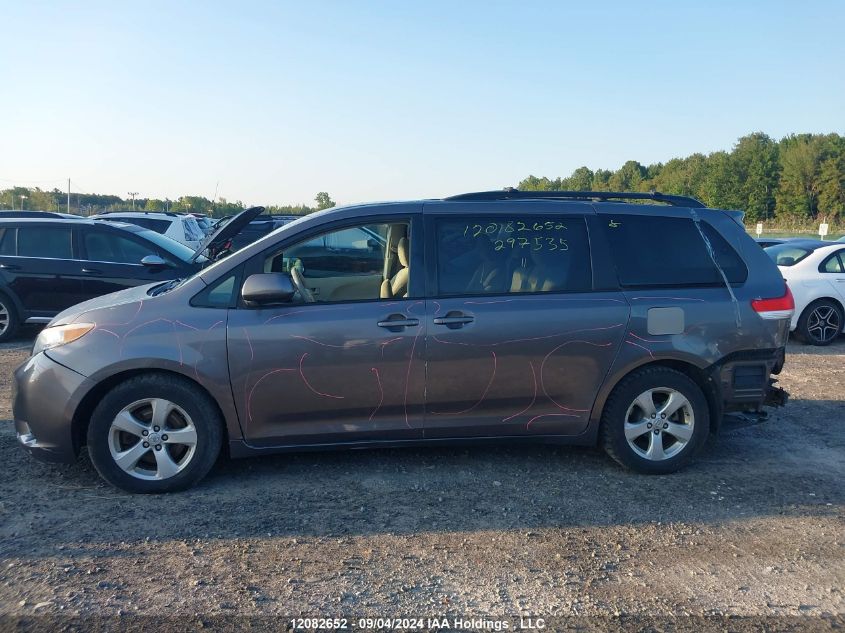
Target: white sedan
(815,273)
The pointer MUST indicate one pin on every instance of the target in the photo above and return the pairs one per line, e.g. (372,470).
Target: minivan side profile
(563,317)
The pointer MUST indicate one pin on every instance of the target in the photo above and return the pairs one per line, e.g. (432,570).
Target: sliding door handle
(397,322)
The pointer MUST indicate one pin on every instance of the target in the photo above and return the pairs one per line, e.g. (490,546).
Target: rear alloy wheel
(155,433)
(655,420)
(820,323)
(8,319)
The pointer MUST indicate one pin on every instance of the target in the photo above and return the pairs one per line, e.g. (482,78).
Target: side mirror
(267,288)
(154,261)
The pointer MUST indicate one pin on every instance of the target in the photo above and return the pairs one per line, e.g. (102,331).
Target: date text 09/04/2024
(411,624)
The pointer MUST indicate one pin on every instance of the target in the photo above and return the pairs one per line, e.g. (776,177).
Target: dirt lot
(754,528)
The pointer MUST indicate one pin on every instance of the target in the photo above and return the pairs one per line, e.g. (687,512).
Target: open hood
(226,232)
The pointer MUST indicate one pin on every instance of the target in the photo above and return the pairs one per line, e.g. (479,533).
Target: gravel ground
(754,528)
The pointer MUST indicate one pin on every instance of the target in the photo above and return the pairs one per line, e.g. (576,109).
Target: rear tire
(9,321)
(155,433)
(655,421)
(820,323)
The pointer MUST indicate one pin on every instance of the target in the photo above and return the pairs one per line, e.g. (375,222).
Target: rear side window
(661,251)
(41,241)
(7,241)
(102,246)
(159,226)
(787,254)
(512,254)
(833,264)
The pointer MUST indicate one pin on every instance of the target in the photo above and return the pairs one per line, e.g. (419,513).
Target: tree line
(797,180)
(89,204)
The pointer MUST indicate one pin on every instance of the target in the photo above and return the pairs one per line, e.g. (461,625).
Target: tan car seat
(397,285)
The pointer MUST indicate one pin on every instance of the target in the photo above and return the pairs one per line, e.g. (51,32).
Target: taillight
(777,307)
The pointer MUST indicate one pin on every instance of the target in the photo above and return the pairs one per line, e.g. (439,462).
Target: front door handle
(454,320)
(397,322)
(92,271)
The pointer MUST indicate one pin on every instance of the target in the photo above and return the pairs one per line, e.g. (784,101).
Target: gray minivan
(568,317)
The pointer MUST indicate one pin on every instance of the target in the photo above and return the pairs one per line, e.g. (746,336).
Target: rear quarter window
(662,251)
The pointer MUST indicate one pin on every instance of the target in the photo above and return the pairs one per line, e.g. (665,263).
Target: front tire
(155,433)
(820,323)
(655,421)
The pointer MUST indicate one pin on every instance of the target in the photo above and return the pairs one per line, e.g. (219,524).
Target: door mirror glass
(153,261)
(267,288)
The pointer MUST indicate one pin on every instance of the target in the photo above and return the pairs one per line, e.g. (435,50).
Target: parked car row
(518,316)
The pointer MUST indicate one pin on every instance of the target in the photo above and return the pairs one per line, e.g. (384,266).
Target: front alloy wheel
(152,438)
(155,432)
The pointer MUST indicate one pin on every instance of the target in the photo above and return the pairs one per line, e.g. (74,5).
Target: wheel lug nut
(164,437)
(156,429)
(648,425)
(666,426)
(146,444)
(657,431)
(662,415)
(145,433)
(653,415)
(158,447)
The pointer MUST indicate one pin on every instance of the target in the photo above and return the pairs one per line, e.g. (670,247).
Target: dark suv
(567,317)
(47,265)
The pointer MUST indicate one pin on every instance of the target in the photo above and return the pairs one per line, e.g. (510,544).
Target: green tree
(798,188)
(755,161)
(323,201)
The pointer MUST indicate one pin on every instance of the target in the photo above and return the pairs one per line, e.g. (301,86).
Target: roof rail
(514,194)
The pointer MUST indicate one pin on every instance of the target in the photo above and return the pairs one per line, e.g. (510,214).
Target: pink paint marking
(437,307)
(249,342)
(641,347)
(104,330)
(533,399)
(543,366)
(646,340)
(384,344)
(134,316)
(666,299)
(484,303)
(408,378)
(525,340)
(316,342)
(550,415)
(249,398)
(308,384)
(411,307)
(381,391)
(306,310)
(191,327)
(483,395)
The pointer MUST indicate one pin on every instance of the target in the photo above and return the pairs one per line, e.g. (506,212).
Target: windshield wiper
(165,287)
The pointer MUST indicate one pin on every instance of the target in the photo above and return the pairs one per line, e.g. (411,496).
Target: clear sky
(395,99)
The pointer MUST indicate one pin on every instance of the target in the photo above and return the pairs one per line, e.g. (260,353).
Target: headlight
(60,335)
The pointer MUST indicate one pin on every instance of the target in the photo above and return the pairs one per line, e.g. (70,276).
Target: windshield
(177,249)
(786,254)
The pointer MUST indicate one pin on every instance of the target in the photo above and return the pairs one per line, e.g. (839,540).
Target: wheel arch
(702,377)
(82,414)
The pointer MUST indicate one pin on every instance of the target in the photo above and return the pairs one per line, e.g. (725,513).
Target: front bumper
(44,398)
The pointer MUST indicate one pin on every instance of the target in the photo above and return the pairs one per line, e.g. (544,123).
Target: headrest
(402,252)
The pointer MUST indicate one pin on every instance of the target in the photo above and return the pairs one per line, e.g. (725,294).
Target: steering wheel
(301,288)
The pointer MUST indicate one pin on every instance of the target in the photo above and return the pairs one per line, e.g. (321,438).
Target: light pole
(133,194)
(22,197)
